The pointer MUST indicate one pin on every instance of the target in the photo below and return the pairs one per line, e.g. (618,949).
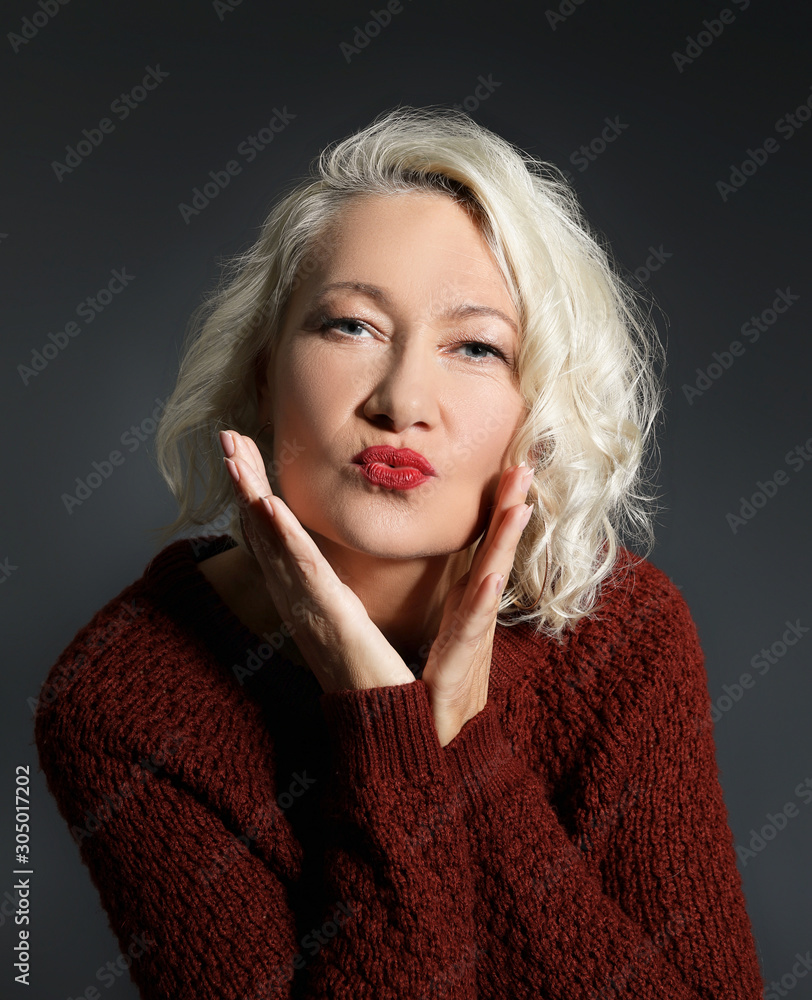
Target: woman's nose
(405,386)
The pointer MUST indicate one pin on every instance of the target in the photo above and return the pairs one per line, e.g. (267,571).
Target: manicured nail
(233,471)
(227,443)
(266,503)
(499,581)
(527,479)
(526,517)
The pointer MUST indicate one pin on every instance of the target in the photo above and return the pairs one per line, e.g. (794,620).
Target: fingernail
(233,471)
(266,503)
(227,443)
(500,580)
(527,479)
(526,517)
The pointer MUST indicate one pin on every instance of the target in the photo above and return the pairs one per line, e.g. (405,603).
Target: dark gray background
(654,186)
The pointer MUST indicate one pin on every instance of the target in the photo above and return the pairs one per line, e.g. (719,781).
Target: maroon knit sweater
(252,837)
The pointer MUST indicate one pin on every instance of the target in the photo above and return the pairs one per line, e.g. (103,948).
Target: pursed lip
(397,457)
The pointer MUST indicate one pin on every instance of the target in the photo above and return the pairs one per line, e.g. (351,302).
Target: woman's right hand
(328,621)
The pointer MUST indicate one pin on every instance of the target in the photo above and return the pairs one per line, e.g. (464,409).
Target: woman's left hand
(458,666)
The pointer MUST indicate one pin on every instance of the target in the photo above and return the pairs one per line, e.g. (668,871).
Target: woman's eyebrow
(469,309)
(460,311)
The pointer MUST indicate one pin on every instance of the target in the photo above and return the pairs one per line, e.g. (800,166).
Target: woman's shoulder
(146,661)
(644,598)
(634,600)
(642,630)
(639,635)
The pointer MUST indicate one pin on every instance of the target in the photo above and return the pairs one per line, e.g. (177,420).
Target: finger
(504,483)
(478,607)
(473,623)
(480,613)
(287,580)
(494,520)
(244,463)
(239,471)
(499,556)
(290,550)
(511,492)
(250,482)
(254,458)
(251,468)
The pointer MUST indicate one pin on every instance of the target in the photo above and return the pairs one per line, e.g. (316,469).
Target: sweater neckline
(175,574)
(230,636)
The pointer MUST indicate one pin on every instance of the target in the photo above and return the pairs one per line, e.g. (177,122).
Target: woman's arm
(649,904)
(214,917)
(397,843)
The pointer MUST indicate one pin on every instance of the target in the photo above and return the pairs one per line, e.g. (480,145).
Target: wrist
(482,761)
(450,716)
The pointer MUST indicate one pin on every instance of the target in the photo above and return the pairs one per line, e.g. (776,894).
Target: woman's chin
(405,542)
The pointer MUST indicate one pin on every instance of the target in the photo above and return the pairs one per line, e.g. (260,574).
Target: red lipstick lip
(399,458)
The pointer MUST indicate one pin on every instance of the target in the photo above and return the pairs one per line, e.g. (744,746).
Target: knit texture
(260,838)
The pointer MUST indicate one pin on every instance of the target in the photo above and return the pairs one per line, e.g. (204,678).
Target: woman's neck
(404,598)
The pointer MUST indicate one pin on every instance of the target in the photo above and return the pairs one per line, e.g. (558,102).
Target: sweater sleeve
(638,894)
(398,852)
(204,917)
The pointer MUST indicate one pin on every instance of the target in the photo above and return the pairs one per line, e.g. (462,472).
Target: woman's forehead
(380,243)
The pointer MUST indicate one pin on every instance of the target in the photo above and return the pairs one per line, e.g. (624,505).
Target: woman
(418,725)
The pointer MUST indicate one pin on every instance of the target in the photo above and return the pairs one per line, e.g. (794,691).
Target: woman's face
(403,335)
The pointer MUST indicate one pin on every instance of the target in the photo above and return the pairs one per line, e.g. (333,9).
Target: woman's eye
(329,323)
(483,347)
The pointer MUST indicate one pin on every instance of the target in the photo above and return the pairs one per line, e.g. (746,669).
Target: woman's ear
(537,453)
